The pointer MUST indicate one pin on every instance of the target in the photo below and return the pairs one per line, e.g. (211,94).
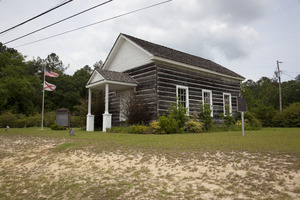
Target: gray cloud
(231,32)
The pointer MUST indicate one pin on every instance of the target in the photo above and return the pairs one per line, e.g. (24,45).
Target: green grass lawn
(271,140)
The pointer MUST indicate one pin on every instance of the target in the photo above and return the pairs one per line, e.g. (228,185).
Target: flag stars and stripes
(51,74)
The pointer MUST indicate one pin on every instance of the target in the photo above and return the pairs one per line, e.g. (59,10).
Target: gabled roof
(178,56)
(116,80)
(115,76)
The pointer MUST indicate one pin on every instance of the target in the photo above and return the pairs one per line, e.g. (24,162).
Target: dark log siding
(146,88)
(168,76)
(157,85)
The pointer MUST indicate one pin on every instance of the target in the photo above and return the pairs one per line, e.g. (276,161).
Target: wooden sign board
(242,104)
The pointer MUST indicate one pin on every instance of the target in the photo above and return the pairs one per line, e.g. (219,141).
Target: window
(182,94)
(227,107)
(207,99)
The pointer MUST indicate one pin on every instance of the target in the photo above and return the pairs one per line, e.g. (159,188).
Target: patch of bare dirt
(33,168)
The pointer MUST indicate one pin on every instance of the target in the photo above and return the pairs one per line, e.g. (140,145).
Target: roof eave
(157,58)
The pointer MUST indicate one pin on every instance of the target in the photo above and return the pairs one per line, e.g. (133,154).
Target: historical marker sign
(63,117)
(242,105)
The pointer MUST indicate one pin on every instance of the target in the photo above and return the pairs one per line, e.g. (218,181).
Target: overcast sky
(246,36)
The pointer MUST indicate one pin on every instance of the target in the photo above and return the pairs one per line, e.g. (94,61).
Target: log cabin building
(161,76)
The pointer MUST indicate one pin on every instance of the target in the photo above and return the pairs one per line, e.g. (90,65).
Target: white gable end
(125,56)
(96,77)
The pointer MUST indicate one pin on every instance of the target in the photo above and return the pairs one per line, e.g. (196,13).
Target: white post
(106,116)
(243,126)
(43,101)
(90,102)
(90,117)
(106,97)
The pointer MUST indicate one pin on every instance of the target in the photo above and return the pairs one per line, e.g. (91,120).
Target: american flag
(51,74)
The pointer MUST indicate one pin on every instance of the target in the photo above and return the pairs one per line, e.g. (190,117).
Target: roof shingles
(115,76)
(172,54)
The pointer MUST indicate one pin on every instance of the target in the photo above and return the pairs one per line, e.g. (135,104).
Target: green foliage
(265,114)
(228,118)
(167,125)
(49,118)
(57,127)
(13,120)
(34,120)
(8,119)
(205,116)
(21,83)
(174,122)
(179,113)
(290,116)
(154,127)
(194,125)
(119,129)
(138,129)
(253,123)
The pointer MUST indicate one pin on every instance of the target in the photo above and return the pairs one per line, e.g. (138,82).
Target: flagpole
(43,100)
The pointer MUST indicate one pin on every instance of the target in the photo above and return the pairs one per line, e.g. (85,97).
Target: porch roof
(116,80)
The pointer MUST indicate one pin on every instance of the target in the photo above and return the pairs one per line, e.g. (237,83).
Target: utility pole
(278,75)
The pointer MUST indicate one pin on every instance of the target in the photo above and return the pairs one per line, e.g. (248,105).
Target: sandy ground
(35,168)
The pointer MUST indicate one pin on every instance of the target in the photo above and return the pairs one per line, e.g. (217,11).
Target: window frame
(230,103)
(187,96)
(210,102)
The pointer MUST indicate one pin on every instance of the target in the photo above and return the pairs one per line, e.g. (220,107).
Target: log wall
(146,88)
(168,76)
(157,85)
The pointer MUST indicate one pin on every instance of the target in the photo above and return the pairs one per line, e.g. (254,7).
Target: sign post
(242,107)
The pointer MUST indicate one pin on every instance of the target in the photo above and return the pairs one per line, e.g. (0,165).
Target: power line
(101,4)
(95,23)
(288,75)
(35,17)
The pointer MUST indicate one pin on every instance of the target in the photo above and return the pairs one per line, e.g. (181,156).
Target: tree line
(21,89)
(262,99)
(21,83)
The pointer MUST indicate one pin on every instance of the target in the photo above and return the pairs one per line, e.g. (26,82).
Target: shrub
(13,121)
(253,122)
(8,119)
(179,113)
(194,125)
(138,129)
(238,123)
(136,109)
(174,122)
(21,121)
(205,116)
(265,114)
(49,118)
(290,116)
(154,127)
(77,121)
(167,125)
(34,120)
(57,127)
(228,118)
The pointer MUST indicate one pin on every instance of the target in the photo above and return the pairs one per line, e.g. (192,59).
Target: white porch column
(106,115)
(90,117)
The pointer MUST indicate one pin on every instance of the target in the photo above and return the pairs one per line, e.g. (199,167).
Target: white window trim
(187,96)
(230,103)
(211,101)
